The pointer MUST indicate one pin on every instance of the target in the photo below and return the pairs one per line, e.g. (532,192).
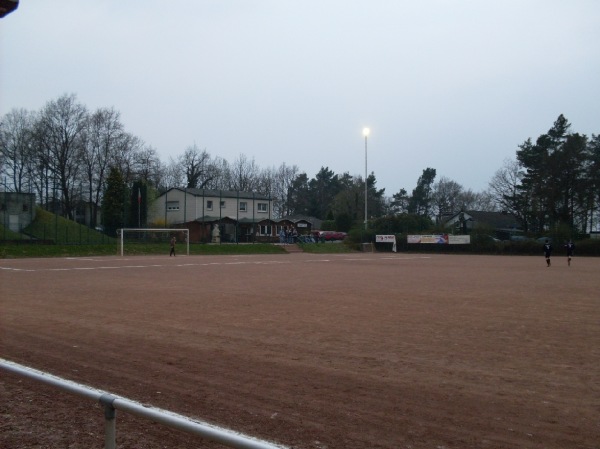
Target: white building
(240,216)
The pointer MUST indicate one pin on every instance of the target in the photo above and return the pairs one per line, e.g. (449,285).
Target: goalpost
(158,236)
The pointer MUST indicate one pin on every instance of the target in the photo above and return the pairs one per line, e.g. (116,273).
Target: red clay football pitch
(346,351)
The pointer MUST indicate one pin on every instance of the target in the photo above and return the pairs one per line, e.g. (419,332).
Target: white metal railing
(113,403)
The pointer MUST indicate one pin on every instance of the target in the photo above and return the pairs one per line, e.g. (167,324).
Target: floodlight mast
(366,132)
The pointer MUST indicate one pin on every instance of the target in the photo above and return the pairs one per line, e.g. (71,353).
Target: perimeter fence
(112,403)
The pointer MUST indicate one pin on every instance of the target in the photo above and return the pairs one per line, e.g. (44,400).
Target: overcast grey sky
(452,85)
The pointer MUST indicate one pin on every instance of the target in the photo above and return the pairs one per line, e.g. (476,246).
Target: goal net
(138,241)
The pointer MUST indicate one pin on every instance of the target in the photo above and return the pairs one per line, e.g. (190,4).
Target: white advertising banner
(387,239)
(459,239)
(436,238)
(443,239)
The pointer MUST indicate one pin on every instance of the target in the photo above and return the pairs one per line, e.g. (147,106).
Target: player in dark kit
(570,250)
(547,252)
(172,253)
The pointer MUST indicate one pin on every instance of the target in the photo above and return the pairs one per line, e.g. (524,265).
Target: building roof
(496,220)
(245,220)
(222,193)
(315,222)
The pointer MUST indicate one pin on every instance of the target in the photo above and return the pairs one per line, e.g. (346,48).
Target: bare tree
(147,166)
(445,198)
(266,181)
(479,201)
(197,167)
(283,178)
(504,185)
(61,129)
(125,156)
(103,134)
(219,175)
(174,175)
(16,150)
(243,174)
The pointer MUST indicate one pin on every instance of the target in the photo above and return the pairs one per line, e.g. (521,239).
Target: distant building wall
(17,210)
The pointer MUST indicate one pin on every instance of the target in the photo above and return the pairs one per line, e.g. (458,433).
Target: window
(222,204)
(243,206)
(265,230)
(209,204)
(172,205)
(262,207)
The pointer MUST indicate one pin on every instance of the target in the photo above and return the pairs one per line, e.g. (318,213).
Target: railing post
(110,421)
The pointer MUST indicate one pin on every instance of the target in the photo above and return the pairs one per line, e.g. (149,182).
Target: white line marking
(204,264)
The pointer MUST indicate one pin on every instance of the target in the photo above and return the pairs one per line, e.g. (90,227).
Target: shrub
(328,225)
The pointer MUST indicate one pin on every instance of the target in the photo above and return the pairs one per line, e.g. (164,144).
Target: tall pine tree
(114,202)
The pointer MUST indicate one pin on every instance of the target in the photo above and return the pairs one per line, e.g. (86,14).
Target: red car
(330,236)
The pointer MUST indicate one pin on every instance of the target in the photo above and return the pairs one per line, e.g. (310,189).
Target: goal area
(153,239)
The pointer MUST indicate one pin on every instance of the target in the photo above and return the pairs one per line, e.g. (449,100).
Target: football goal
(136,240)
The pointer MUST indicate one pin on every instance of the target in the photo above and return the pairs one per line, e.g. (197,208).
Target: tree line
(553,183)
(66,155)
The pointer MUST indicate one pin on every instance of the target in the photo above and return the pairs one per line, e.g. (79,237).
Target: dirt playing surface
(346,351)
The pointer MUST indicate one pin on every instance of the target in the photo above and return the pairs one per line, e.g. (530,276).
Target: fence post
(110,421)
